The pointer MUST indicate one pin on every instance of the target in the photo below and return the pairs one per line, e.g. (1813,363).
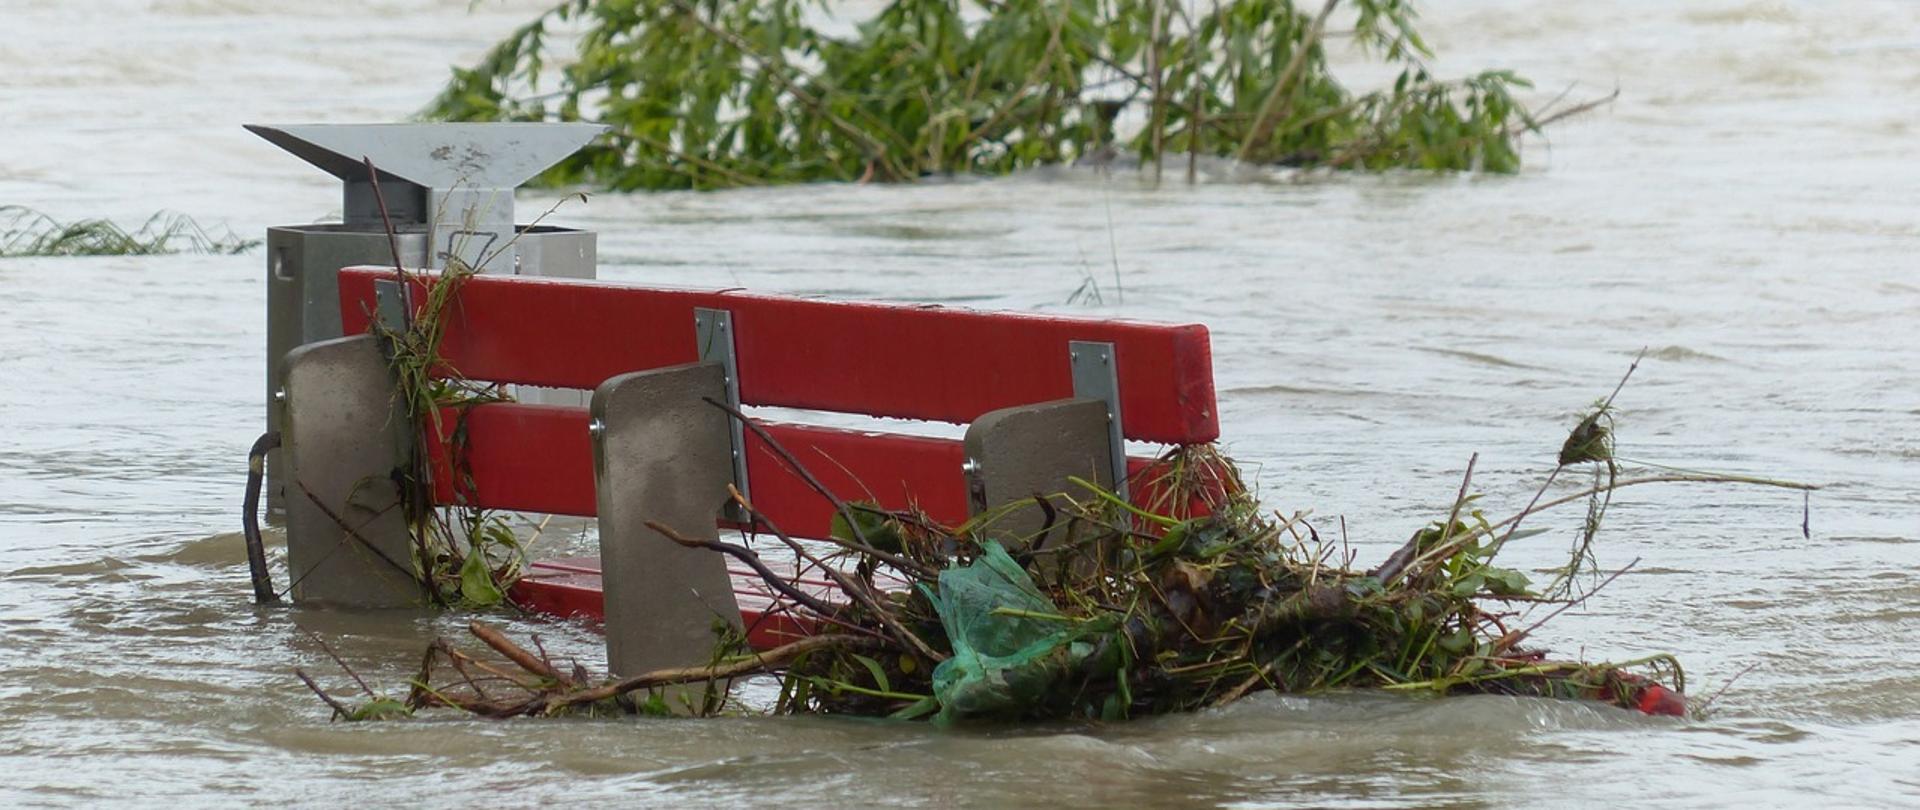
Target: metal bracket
(713,334)
(460,245)
(390,304)
(1096,375)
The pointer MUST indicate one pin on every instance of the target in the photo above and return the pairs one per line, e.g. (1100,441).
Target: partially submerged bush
(26,232)
(719,93)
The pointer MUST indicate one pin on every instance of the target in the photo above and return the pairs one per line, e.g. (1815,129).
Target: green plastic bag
(1001,663)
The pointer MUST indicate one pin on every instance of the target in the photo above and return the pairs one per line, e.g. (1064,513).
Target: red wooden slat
(539,458)
(909,362)
(531,458)
(892,470)
(571,588)
(570,595)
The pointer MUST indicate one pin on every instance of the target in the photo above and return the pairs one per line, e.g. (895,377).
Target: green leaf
(379,708)
(1468,585)
(874,524)
(1505,582)
(878,672)
(477,587)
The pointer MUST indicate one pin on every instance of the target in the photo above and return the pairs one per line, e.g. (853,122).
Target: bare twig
(860,544)
(1399,561)
(758,662)
(1604,405)
(1570,111)
(746,555)
(338,709)
(1511,638)
(1705,704)
(324,647)
(853,589)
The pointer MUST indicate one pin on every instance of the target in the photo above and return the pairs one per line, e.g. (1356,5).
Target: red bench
(896,361)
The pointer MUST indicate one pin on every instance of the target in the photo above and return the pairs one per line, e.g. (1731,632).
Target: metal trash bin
(448,190)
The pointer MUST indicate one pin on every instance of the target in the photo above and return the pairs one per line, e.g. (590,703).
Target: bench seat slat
(910,362)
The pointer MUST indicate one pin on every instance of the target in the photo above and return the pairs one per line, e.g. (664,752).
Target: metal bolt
(969,467)
(280,395)
(596,428)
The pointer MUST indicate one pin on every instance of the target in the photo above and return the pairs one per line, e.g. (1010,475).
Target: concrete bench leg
(344,436)
(1016,453)
(661,453)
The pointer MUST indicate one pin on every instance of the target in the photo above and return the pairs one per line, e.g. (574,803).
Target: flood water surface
(1745,212)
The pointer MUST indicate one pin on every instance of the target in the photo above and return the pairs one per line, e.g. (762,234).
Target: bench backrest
(885,360)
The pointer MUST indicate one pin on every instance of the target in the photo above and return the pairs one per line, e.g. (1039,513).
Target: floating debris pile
(1114,610)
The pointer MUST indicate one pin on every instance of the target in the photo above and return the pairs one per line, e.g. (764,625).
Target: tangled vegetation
(462,555)
(26,232)
(717,93)
(1189,597)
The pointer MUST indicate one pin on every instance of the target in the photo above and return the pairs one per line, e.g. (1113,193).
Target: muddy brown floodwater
(1746,211)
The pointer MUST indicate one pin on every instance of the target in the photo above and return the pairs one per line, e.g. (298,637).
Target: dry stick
(459,666)
(759,662)
(1240,690)
(1263,122)
(393,238)
(458,658)
(847,584)
(1651,479)
(1699,710)
(421,692)
(746,555)
(1608,403)
(1507,640)
(515,653)
(1460,499)
(1402,558)
(1570,111)
(840,506)
(338,709)
(1362,148)
(1555,101)
(342,664)
(421,502)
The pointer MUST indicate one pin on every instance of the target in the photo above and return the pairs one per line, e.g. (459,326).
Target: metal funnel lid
(434,156)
